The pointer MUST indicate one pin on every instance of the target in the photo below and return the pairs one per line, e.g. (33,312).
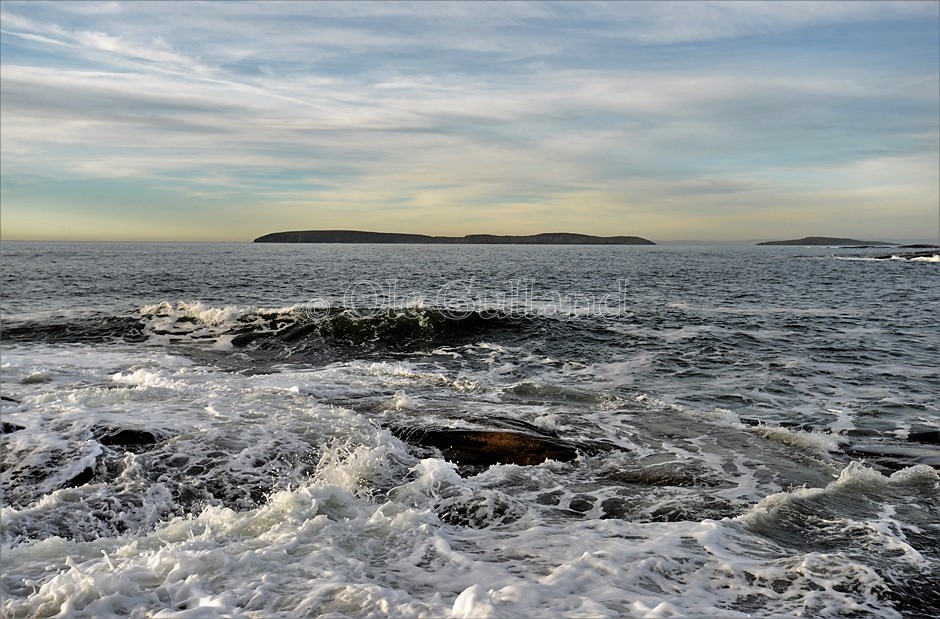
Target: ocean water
(239,430)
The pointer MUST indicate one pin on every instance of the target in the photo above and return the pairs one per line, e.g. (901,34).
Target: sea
(242,430)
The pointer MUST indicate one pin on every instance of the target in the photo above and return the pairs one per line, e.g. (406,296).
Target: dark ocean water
(196,430)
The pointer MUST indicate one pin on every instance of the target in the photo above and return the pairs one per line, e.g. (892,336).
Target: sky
(713,121)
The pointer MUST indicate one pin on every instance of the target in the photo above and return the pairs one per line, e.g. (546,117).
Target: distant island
(356,236)
(824,240)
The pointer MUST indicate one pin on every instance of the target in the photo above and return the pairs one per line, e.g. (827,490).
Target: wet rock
(615,507)
(549,498)
(124,436)
(127,439)
(582,503)
(663,476)
(489,447)
(7,398)
(8,428)
(81,479)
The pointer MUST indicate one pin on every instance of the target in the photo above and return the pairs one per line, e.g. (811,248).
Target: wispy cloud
(495,115)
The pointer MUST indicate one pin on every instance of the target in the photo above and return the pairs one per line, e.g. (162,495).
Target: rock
(7,398)
(549,498)
(81,479)
(582,503)
(489,447)
(124,436)
(615,507)
(8,428)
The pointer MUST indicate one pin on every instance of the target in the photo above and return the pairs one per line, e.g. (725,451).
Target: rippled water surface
(194,430)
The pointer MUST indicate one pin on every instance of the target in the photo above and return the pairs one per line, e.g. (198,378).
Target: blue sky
(690,120)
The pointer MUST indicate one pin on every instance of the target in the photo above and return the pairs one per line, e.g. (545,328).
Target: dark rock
(243,339)
(81,479)
(7,398)
(615,507)
(663,476)
(549,498)
(8,428)
(488,447)
(582,503)
(124,436)
(920,246)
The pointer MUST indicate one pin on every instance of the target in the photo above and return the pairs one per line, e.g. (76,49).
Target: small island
(826,240)
(356,236)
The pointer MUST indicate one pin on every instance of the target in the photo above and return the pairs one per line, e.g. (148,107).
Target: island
(826,240)
(356,236)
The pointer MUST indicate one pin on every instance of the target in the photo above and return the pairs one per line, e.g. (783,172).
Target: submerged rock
(489,447)
(124,436)
(8,428)
(85,476)
(127,439)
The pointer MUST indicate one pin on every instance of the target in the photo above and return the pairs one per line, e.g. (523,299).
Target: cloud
(85,41)
(690,22)
(518,112)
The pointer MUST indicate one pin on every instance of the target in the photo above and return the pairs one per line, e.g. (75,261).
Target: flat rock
(8,428)
(124,436)
(489,447)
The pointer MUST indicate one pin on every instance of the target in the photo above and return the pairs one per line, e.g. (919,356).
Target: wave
(291,332)
(928,256)
(86,329)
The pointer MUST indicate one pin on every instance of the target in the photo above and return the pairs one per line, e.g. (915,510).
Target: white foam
(854,477)
(370,531)
(401,401)
(210,315)
(321,549)
(843,422)
(816,441)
